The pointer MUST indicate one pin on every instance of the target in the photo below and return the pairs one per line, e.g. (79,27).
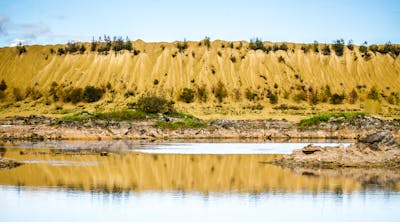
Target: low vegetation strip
(325,117)
(115,115)
(187,123)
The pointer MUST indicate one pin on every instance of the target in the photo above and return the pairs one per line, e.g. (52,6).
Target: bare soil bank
(45,128)
(377,150)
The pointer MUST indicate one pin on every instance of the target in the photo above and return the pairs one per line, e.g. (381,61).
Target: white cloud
(15,42)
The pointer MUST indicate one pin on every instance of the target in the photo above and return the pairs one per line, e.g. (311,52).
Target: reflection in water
(192,147)
(121,171)
(18,204)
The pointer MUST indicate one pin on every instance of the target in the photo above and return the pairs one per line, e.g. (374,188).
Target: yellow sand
(193,68)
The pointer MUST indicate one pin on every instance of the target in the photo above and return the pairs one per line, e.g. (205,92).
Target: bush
(182,46)
(281,59)
(220,91)
(350,45)
(17,94)
(273,98)
(71,47)
(337,99)
(82,49)
(373,48)
(326,50)
(3,85)
(338,47)
(202,93)
(154,104)
(373,93)
(93,45)
(92,94)
(233,58)
(60,51)
(129,93)
(316,47)
(256,44)
(325,94)
(118,44)
(206,42)
(238,94)
(313,97)
(363,48)
(306,48)
(283,47)
(393,98)
(250,95)
(353,96)
(33,93)
(21,48)
(301,96)
(187,95)
(76,95)
(155,82)
(53,91)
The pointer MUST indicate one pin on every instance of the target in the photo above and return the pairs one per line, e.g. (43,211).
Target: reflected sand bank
(120,171)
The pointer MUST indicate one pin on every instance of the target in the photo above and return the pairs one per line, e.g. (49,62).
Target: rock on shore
(45,128)
(378,149)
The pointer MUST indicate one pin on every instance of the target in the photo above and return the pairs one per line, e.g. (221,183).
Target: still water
(181,181)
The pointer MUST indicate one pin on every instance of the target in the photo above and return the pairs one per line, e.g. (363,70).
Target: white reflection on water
(228,148)
(25,204)
(180,147)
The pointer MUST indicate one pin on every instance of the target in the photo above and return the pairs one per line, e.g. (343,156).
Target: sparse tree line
(105,44)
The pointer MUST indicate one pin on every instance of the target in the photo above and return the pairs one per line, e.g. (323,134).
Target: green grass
(187,123)
(115,115)
(324,117)
(181,115)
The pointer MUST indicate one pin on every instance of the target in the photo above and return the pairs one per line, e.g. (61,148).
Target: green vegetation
(326,50)
(206,41)
(373,93)
(33,93)
(202,93)
(363,48)
(182,46)
(250,94)
(273,97)
(306,48)
(187,123)
(187,95)
(233,59)
(337,98)
(338,47)
(353,96)
(220,91)
(115,115)
(154,104)
(324,117)
(350,45)
(92,94)
(256,44)
(3,85)
(21,49)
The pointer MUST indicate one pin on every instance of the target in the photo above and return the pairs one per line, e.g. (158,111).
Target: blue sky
(56,21)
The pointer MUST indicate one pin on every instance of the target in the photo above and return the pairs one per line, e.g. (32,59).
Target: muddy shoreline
(45,128)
